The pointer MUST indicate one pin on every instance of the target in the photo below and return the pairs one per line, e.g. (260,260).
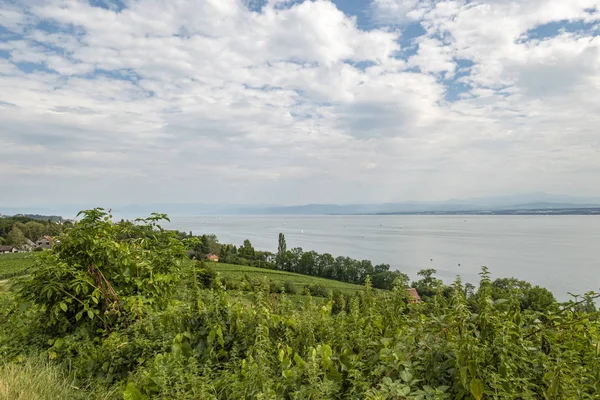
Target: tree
(292,259)
(428,285)
(365,268)
(16,237)
(247,251)
(324,265)
(307,263)
(281,251)
(386,279)
(209,245)
(539,299)
(34,230)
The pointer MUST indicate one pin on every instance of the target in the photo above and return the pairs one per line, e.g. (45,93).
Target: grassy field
(15,264)
(237,272)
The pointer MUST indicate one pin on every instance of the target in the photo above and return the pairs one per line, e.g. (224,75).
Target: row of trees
(311,263)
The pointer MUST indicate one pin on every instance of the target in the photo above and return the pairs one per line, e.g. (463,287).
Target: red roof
(412,292)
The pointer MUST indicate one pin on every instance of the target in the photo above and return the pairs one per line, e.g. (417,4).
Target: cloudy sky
(290,102)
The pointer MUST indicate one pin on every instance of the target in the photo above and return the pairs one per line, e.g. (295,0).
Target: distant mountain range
(535,203)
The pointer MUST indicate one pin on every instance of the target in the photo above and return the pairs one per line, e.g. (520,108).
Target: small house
(212,257)
(28,246)
(8,249)
(44,242)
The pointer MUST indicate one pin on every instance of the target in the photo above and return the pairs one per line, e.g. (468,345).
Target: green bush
(204,274)
(339,302)
(289,287)
(318,290)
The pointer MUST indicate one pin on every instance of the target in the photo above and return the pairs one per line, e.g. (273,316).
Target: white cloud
(295,103)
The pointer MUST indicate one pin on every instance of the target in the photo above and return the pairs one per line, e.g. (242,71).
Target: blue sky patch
(113,5)
(29,67)
(552,29)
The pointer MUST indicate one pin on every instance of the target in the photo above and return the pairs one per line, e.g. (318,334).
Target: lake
(560,253)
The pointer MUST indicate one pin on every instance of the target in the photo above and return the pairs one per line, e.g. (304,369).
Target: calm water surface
(558,252)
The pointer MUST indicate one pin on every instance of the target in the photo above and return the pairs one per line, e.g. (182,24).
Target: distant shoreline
(576,211)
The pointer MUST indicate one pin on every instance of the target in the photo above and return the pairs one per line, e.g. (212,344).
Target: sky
(294,102)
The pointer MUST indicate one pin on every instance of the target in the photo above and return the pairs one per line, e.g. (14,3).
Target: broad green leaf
(132,393)
(472,368)
(463,377)
(477,388)
(406,376)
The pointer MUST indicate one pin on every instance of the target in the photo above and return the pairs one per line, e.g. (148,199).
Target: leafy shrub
(318,290)
(339,302)
(289,287)
(102,273)
(232,284)
(204,274)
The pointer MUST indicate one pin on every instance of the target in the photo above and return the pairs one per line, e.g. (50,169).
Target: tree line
(17,229)
(324,265)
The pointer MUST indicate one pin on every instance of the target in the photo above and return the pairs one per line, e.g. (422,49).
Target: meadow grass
(237,272)
(35,379)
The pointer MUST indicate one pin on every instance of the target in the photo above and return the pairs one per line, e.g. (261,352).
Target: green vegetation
(298,282)
(15,264)
(17,229)
(116,311)
(296,260)
(36,379)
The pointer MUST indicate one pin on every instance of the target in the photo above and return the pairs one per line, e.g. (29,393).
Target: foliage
(281,251)
(103,273)
(197,339)
(32,227)
(202,275)
(16,237)
(289,287)
(296,260)
(14,264)
(239,273)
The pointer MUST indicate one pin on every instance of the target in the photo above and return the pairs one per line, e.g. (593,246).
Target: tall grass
(35,379)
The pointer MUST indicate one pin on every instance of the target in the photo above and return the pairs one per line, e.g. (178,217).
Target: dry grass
(35,379)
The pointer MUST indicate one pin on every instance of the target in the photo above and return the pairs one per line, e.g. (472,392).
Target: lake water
(561,253)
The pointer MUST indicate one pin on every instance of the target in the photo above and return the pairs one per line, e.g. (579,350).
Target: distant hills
(535,203)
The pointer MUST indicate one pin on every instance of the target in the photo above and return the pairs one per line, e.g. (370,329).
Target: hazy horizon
(191,208)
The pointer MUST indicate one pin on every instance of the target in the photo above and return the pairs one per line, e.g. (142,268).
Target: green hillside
(237,272)
(14,264)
